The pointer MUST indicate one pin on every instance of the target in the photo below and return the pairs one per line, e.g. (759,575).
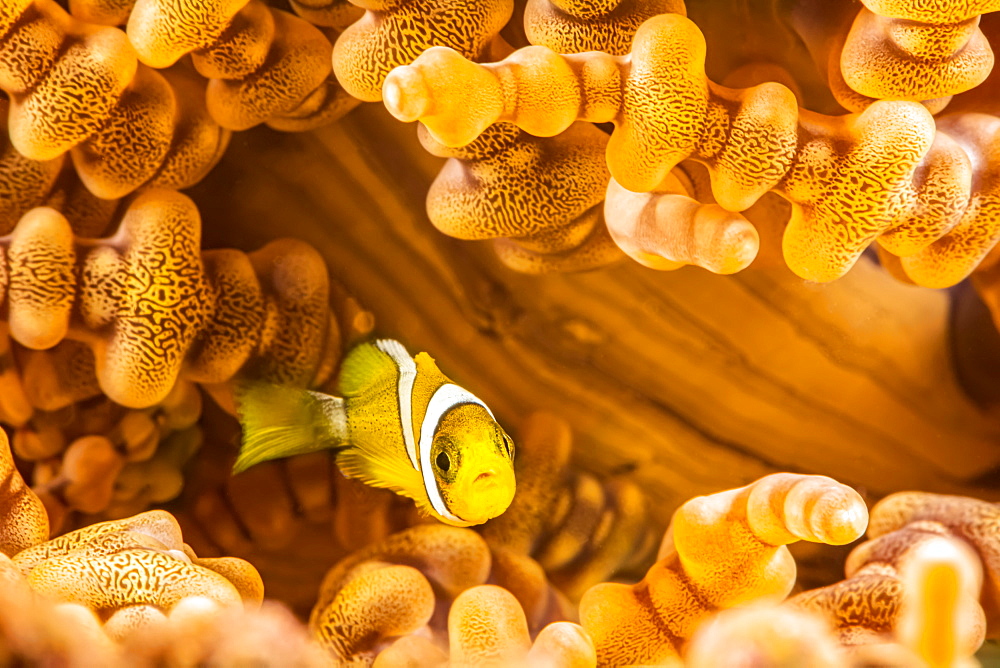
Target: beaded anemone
(786,145)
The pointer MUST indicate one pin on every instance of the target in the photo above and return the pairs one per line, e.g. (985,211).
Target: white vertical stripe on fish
(404,386)
(443,400)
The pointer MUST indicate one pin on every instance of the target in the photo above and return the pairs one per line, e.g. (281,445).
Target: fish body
(400,424)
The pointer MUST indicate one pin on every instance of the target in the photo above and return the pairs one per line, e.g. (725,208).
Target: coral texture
(720,551)
(917,176)
(916,527)
(890,53)
(608,136)
(148,302)
(23,522)
(395,32)
(78,87)
(263,64)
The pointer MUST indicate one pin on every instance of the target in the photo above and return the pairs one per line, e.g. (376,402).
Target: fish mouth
(485,475)
(485,494)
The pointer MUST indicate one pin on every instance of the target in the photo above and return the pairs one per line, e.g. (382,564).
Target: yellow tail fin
(280,421)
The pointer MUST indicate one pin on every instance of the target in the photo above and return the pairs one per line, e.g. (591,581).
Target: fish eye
(442,461)
(505,439)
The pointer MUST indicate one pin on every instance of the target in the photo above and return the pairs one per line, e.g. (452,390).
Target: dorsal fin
(429,379)
(392,347)
(363,367)
(426,366)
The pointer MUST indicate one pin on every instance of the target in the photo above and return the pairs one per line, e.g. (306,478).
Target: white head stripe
(404,386)
(443,400)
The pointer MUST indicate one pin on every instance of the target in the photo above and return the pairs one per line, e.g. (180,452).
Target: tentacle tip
(736,245)
(841,518)
(743,248)
(405,94)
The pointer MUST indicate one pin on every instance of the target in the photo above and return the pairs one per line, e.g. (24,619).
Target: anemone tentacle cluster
(545,213)
(926,205)
(143,298)
(918,176)
(433,593)
(720,551)
(106,338)
(107,460)
(576,132)
(263,64)
(906,51)
(127,591)
(26,184)
(79,88)
(904,526)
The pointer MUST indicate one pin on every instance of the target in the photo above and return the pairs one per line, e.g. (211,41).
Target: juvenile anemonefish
(401,425)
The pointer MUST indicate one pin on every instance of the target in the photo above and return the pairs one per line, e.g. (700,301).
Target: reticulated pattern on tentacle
(930,559)
(906,50)
(721,551)
(153,308)
(102,12)
(263,64)
(887,171)
(77,87)
(540,198)
(395,32)
(575,26)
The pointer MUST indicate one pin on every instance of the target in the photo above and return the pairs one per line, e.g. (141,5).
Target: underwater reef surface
(826,167)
